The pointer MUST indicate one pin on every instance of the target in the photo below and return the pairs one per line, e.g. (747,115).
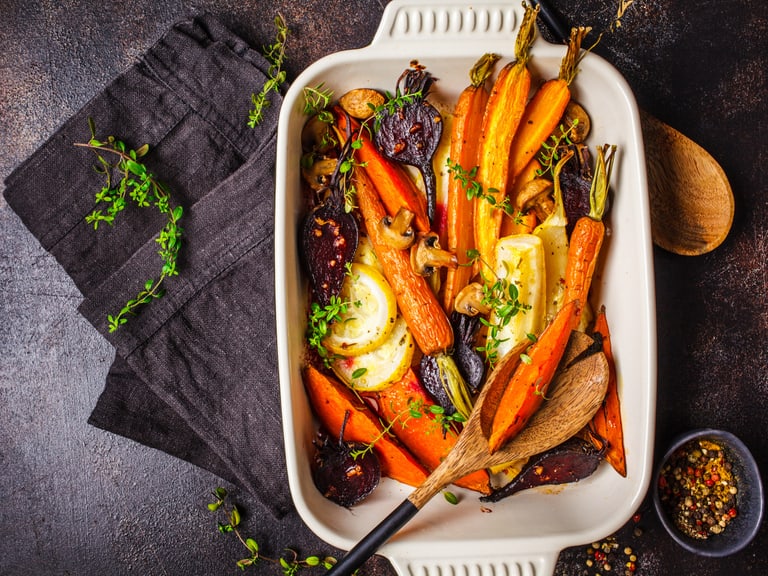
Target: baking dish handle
(449,21)
(539,564)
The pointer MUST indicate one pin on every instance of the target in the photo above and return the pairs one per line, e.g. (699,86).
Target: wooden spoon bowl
(577,391)
(691,199)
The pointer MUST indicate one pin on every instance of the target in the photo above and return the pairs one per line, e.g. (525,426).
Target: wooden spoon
(691,200)
(577,392)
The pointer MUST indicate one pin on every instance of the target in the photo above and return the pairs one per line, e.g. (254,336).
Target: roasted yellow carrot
(460,208)
(545,110)
(503,112)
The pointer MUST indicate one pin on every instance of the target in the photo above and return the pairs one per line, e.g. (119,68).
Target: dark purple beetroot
(409,128)
(571,461)
(329,238)
(340,474)
(465,354)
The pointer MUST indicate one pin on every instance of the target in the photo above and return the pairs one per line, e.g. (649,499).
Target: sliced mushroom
(397,231)
(318,136)
(576,115)
(469,300)
(360,103)
(426,255)
(318,172)
(531,190)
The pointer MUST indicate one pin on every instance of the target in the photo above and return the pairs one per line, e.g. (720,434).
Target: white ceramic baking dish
(523,534)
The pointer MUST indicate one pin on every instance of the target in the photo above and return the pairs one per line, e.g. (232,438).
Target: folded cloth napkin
(195,371)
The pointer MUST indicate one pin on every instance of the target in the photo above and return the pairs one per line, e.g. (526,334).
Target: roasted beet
(329,240)
(409,128)
(575,183)
(571,461)
(429,372)
(465,354)
(339,474)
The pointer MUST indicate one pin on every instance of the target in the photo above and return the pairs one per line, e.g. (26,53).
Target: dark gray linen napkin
(195,371)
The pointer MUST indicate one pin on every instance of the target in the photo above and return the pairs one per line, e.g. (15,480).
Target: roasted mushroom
(397,231)
(470,300)
(426,255)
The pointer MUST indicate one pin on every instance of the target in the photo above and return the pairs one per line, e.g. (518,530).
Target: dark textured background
(77,500)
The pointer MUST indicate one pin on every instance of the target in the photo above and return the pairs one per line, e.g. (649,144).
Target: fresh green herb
(474,189)
(320,320)
(316,102)
(550,153)
(275,55)
(450,497)
(503,298)
(231,524)
(137,183)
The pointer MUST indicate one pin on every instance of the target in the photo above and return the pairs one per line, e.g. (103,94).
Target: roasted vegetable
(409,128)
(344,472)
(331,400)
(545,110)
(329,238)
(528,385)
(589,232)
(503,112)
(571,461)
(606,423)
(422,427)
(397,191)
(460,208)
(468,360)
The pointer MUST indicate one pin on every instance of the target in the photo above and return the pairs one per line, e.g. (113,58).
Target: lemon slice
(382,366)
(370,315)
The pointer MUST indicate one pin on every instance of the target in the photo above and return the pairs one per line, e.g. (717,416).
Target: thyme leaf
(116,160)
(276,75)
(290,564)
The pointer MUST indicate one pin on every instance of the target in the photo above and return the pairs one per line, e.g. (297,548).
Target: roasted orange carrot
(415,299)
(606,423)
(503,112)
(331,400)
(530,380)
(422,435)
(396,189)
(545,109)
(589,232)
(460,208)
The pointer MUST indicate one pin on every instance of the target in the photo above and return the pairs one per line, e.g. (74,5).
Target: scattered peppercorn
(605,557)
(698,490)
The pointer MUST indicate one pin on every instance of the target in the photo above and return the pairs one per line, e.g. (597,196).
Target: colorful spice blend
(698,489)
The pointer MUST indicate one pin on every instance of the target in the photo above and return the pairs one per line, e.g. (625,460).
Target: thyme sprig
(474,189)
(319,324)
(549,155)
(502,297)
(289,564)
(276,76)
(137,183)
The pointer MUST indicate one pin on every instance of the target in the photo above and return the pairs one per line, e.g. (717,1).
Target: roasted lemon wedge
(370,314)
(381,366)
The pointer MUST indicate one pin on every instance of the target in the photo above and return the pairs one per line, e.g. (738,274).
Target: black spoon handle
(554,21)
(368,546)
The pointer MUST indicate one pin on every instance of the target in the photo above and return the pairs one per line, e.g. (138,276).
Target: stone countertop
(78,500)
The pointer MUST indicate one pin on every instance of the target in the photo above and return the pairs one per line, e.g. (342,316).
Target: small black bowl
(749,499)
